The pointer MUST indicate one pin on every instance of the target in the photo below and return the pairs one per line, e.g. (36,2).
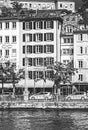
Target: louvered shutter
(23,25)
(23,37)
(44,24)
(23,49)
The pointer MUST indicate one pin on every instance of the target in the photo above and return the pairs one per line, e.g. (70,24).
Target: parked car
(42,95)
(78,95)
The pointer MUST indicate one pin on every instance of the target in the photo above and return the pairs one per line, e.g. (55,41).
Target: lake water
(44,120)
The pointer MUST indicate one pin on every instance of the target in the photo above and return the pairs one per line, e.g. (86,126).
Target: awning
(81,83)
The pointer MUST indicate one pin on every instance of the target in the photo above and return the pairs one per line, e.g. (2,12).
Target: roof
(39,15)
(81,31)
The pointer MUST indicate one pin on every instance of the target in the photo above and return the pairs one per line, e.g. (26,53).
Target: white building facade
(81,55)
(9,40)
(40,43)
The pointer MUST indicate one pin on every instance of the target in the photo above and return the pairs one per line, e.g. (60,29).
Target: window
(80,64)
(0,53)
(38,61)
(60,5)
(81,50)
(48,24)
(6,53)
(28,25)
(48,48)
(38,49)
(23,62)
(30,75)
(13,25)
(66,51)
(7,39)
(27,37)
(65,61)
(48,37)
(0,39)
(48,61)
(68,40)
(29,49)
(0,25)
(13,39)
(30,61)
(85,50)
(7,25)
(38,25)
(14,52)
(80,77)
(37,74)
(80,37)
(38,37)
(49,74)
(69,29)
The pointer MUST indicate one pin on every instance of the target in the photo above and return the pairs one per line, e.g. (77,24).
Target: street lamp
(26,75)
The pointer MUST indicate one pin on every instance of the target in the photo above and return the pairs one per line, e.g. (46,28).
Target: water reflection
(43,120)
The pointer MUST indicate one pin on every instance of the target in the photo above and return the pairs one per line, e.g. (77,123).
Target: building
(80,79)
(41,39)
(34,41)
(70,23)
(9,40)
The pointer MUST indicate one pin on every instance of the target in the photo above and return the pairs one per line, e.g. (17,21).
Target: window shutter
(30,25)
(44,24)
(52,25)
(41,37)
(34,62)
(41,49)
(23,37)
(30,37)
(33,49)
(44,48)
(23,49)
(30,49)
(41,24)
(44,36)
(52,36)
(23,25)
(34,37)
(23,61)
(52,49)
(34,25)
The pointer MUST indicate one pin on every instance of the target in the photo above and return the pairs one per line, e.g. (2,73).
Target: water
(43,120)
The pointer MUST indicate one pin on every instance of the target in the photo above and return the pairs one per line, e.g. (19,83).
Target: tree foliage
(62,73)
(8,73)
(17,6)
(83,11)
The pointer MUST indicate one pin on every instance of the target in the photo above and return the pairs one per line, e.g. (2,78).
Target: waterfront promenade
(44,104)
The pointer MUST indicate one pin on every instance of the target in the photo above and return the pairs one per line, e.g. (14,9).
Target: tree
(14,75)
(17,6)
(83,11)
(3,75)
(61,73)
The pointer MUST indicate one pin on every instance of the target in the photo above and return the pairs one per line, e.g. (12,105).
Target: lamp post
(79,84)
(26,93)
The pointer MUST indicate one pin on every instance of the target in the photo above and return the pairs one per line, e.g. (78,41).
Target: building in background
(9,40)
(81,59)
